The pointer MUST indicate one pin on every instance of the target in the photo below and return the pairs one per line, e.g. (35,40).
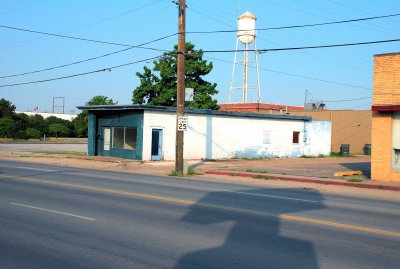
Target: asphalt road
(57,217)
(60,147)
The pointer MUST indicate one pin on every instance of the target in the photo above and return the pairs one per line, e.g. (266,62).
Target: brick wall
(259,108)
(386,92)
(386,79)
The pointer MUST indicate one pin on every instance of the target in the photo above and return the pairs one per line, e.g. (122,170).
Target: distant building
(385,159)
(148,133)
(69,117)
(352,127)
(259,108)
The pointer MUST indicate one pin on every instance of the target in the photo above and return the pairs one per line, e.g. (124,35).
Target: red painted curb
(306,180)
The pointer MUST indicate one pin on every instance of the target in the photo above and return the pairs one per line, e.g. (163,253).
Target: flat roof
(386,54)
(106,108)
(383,108)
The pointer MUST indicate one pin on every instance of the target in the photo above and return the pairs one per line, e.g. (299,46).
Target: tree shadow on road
(255,239)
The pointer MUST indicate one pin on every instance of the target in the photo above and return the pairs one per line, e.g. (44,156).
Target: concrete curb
(307,180)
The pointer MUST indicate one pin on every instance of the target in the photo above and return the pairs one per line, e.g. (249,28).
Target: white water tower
(246,35)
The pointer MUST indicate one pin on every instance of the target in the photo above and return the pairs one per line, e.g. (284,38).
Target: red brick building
(259,108)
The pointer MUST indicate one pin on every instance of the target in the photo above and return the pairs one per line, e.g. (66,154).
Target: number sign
(182,123)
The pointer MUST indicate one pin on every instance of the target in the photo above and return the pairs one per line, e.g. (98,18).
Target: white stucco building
(148,133)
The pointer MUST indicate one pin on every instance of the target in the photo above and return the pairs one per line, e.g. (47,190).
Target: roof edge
(191,111)
(386,54)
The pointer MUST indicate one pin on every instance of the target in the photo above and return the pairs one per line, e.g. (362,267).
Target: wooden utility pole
(180,85)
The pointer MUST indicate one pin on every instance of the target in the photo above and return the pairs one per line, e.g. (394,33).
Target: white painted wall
(69,117)
(220,137)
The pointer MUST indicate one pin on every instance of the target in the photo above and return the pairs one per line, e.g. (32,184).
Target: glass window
(118,138)
(107,138)
(296,137)
(130,138)
(124,138)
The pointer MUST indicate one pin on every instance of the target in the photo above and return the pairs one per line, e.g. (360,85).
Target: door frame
(159,156)
(100,138)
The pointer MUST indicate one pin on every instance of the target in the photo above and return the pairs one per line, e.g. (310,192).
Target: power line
(90,59)
(296,75)
(263,50)
(80,74)
(96,22)
(347,100)
(306,47)
(70,37)
(297,26)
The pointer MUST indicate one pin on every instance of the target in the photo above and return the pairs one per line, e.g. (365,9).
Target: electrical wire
(80,74)
(296,75)
(297,26)
(347,100)
(263,50)
(90,59)
(66,36)
(306,47)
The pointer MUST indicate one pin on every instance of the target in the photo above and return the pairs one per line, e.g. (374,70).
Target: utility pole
(180,85)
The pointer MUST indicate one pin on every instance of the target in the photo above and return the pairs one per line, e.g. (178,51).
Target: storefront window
(124,138)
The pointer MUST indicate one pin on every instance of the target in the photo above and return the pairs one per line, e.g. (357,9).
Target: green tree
(7,109)
(80,123)
(38,122)
(58,129)
(54,120)
(100,100)
(159,87)
(8,128)
(32,133)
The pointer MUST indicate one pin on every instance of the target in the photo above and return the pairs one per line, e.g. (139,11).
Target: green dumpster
(367,149)
(345,150)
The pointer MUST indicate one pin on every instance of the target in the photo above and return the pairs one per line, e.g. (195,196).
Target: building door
(104,141)
(156,144)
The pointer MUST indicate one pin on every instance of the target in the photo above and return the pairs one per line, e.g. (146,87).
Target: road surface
(58,217)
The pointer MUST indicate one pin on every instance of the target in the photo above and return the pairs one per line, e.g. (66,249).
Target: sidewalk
(317,171)
(307,170)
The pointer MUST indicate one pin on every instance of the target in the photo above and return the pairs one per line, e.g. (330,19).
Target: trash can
(345,150)
(367,149)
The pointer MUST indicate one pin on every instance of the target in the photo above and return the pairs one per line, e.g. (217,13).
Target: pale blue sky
(135,22)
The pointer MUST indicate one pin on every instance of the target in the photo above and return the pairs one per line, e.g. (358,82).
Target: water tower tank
(246,27)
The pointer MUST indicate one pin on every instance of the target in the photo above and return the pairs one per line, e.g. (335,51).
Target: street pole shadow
(255,240)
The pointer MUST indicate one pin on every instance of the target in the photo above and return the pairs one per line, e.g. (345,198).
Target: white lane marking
(53,211)
(273,196)
(30,168)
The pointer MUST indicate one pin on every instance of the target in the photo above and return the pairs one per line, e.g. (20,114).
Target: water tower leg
(233,72)
(246,46)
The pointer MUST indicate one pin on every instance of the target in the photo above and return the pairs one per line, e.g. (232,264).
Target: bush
(32,133)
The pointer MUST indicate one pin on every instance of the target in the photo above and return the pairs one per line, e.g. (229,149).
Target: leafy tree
(8,128)
(32,133)
(80,123)
(7,109)
(100,100)
(38,122)
(54,120)
(58,129)
(21,121)
(159,87)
